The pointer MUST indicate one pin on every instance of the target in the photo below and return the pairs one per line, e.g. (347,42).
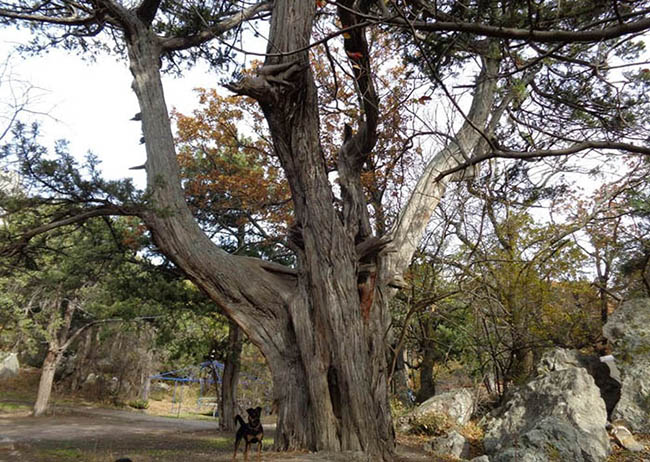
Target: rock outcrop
(557,416)
(452,444)
(628,330)
(9,365)
(458,405)
(604,373)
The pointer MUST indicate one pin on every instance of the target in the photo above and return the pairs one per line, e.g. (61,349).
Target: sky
(90,103)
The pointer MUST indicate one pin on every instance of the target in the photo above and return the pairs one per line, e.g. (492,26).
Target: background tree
(515,272)
(635,261)
(53,299)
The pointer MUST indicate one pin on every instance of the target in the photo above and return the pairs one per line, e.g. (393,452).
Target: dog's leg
(234,456)
(246,451)
(259,450)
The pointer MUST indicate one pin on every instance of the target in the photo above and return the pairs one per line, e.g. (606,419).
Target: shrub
(431,424)
(139,404)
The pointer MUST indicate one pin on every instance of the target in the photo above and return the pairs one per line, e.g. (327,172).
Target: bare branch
(72,20)
(80,330)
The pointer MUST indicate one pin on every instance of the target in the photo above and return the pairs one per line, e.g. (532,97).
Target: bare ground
(82,433)
(104,435)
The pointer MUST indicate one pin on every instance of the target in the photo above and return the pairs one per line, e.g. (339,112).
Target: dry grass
(622,455)
(22,387)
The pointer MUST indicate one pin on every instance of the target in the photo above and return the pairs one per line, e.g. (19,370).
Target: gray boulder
(558,416)
(604,372)
(458,405)
(551,439)
(628,330)
(9,365)
(91,379)
(452,444)
(160,386)
(480,459)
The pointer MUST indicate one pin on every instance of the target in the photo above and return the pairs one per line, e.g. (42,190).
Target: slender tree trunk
(48,369)
(427,384)
(82,361)
(58,342)
(230,378)
(400,386)
(145,386)
(604,312)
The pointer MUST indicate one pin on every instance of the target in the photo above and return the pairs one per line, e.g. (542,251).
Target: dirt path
(103,435)
(87,423)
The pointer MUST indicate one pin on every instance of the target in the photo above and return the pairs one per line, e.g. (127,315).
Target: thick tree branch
(357,148)
(183,43)
(147,10)
(573,149)
(530,35)
(110,210)
(409,228)
(356,48)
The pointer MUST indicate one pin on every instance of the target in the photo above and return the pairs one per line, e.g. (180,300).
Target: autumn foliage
(229,173)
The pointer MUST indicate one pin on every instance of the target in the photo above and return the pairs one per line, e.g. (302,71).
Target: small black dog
(251,432)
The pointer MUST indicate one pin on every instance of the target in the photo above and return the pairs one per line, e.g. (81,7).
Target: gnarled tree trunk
(321,327)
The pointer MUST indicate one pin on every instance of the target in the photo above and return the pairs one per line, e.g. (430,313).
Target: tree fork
(342,355)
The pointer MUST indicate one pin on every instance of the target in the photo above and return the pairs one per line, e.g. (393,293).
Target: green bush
(432,424)
(397,408)
(139,404)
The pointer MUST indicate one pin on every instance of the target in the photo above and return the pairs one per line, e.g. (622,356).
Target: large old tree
(323,325)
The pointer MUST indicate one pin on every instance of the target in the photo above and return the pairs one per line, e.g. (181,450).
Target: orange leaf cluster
(226,165)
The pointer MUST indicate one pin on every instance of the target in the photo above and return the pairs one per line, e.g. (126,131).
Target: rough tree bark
(232,365)
(341,347)
(427,383)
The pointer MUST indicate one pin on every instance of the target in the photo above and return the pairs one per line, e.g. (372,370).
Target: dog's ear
(250,410)
(259,410)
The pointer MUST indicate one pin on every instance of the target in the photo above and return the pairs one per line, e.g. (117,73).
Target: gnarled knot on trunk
(270,81)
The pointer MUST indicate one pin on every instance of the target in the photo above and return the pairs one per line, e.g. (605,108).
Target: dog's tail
(239,420)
